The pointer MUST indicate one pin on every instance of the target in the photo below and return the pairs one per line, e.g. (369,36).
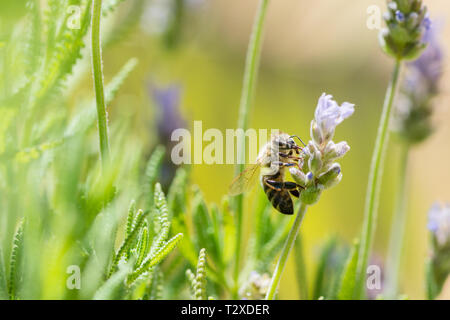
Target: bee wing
(245,180)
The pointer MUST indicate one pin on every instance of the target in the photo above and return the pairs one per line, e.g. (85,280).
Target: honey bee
(273,159)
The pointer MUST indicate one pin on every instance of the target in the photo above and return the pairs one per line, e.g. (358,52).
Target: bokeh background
(310,47)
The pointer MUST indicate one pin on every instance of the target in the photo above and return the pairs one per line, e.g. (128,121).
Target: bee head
(293,144)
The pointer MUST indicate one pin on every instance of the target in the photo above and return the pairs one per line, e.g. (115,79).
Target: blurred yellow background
(310,47)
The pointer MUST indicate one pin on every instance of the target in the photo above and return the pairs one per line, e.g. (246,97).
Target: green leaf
(431,286)
(86,118)
(200,279)
(176,197)
(112,287)
(301,268)
(153,259)
(34,42)
(130,217)
(128,241)
(204,227)
(3,285)
(143,246)
(320,279)
(67,51)
(14,271)
(348,280)
(162,224)
(151,174)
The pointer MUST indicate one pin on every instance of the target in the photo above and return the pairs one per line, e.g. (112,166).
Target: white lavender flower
(439,223)
(319,170)
(256,286)
(328,115)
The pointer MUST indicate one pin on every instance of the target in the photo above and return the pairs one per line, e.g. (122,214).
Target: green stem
(285,252)
(398,227)
(250,75)
(98,81)
(301,269)
(373,188)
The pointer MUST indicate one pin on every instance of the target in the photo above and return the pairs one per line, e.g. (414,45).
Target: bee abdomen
(281,200)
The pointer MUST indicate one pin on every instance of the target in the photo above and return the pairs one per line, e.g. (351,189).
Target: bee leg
(283,164)
(285,155)
(277,185)
(292,187)
(270,184)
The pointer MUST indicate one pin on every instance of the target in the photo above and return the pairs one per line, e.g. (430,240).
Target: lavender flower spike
(319,169)
(439,223)
(439,264)
(429,66)
(412,116)
(328,115)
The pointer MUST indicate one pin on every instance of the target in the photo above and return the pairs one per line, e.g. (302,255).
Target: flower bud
(405,24)
(331,177)
(311,194)
(299,176)
(315,161)
(439,226)
(335,151)
(316,134)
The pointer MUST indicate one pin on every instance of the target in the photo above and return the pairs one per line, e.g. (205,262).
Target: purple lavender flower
(406,20)
(319,170)
(439,223)
(412,118)
(439,264)
(399,16)
(428,67)
(167,100)
(169,118)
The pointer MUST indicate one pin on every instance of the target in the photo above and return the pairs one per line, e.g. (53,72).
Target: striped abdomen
(281,200)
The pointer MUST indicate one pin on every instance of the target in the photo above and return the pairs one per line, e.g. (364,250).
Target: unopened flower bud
(311,194)
(315,162)
(299,176)
(405,25)
(316,134)
(399,16)
(439,225)
(331,177)
(336,151)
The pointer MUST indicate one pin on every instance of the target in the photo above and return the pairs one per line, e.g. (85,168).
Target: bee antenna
(295,136)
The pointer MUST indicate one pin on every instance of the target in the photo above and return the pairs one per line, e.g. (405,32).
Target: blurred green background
(310,47)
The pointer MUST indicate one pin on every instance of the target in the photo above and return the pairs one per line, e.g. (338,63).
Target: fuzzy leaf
(153,259)
(86,118)
(14,261)
(111,288)
(128,241)
(348,280)
(3,286)
(151,174)
(200,279)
